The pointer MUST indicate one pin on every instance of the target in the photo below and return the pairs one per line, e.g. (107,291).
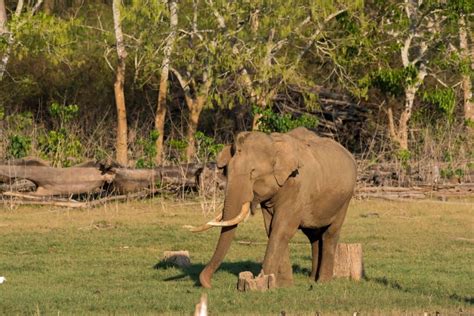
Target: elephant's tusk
(244,213)
(204,227)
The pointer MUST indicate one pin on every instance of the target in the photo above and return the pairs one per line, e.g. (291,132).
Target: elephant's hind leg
(329,244)
(314,236)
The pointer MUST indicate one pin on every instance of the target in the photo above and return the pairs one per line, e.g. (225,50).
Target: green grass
(418,257)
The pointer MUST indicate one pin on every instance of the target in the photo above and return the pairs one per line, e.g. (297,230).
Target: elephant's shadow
(193,270)
(235,268)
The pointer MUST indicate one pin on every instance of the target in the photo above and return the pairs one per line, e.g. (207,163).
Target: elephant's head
(257,165)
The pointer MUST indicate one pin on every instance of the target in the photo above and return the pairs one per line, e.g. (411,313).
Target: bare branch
(219,17)
(36,7)
(19,8)
(405,50)
(185,84)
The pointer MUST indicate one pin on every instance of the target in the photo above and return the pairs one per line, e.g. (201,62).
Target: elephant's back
(332,161)
(332,167)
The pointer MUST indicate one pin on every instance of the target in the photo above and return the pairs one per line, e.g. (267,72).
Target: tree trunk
(194,113)
(5,32)
(121,144)
(405,117)
(466,80)
(163,90)
(256,121)
(49,6)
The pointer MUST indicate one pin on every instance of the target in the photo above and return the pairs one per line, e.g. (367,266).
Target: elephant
(301,181)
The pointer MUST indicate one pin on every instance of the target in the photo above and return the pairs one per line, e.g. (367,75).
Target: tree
(163,87)
(415,30)
(458,11)
(196,73)
(7,34)
(121,141)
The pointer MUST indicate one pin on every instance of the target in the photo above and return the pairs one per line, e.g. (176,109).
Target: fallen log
(134,180)
(26,199)
(58,181)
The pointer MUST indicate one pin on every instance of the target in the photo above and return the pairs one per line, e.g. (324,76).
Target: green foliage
(19,134)
(19,146)
(178,149)
(404,156)
(282,123)
(443,98)
(149,150)
(47,36)
(61,146)
(207,148)
(20,123)
(449,172)
(63,113)
(2,112)
(393,81)
(459,7)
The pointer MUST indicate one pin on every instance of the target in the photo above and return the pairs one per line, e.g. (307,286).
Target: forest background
(148,83)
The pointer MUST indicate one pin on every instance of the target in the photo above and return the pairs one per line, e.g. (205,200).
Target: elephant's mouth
(243,215)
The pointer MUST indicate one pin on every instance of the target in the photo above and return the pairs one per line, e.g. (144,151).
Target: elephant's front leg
(285,273)
(277,255)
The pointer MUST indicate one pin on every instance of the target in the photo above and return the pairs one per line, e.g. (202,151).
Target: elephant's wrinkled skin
(301,181)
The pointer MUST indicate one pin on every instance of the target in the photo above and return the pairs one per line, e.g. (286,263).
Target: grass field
(419,256)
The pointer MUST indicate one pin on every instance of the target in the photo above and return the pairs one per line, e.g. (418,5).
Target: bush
(61,145)
(207,148)
(148,145)
(282,123)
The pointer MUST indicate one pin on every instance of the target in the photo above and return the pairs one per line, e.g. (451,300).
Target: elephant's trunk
(225,239)
(235,202)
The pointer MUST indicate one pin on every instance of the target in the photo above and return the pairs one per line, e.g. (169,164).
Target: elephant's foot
(325,277)
(284,281)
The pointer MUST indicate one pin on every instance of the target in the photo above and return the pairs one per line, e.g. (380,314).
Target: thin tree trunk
(121,144)
(5,32)
(163,90)
(49,6)
(194,113)
(195,106)
(466,80)
(399,134)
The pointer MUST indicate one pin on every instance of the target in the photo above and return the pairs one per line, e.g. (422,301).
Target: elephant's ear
(224,156)
(286,157)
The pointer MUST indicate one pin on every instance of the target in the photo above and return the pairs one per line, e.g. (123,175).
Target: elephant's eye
(252,173)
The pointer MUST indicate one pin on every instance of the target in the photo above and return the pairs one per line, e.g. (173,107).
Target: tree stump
(348,262)
(247,282)
(177,258)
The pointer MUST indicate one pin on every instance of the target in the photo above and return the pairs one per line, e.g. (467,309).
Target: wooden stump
(177,258)
(247,282)
(348,262)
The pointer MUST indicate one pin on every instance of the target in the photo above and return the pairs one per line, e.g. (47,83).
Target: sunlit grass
(418,257)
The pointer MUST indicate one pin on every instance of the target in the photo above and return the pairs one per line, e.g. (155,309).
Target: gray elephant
(301,181)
